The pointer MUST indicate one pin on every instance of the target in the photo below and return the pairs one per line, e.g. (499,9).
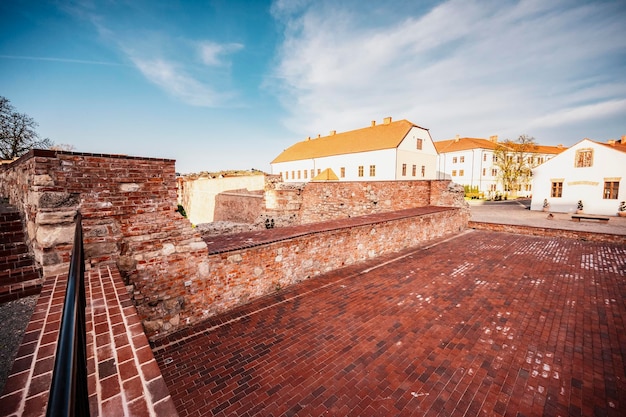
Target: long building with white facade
(398,150)
(472,162)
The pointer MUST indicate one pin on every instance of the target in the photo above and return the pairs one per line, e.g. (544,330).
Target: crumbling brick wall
(128,206)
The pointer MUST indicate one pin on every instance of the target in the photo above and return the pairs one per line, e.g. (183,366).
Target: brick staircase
(19,275)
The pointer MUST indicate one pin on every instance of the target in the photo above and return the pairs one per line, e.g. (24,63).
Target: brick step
(10,216)
(12,236)
(15,261)
(17,275)
(20,290)
(10,226)
(12,248)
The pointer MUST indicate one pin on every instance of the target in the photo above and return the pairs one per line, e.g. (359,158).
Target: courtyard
(481,323)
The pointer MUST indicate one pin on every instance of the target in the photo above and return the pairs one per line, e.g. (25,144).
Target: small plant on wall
(579,206)
(546,204)
(621,211)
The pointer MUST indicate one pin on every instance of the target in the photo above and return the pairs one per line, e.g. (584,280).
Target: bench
(579,217)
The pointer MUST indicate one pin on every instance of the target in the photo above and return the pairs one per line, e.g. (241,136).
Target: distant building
(397,150)
(472,162)
(589,171)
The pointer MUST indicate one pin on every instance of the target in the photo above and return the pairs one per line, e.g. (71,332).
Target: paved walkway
(483,323)
(515,212)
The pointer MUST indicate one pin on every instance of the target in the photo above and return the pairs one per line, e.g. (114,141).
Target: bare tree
(513,162)
(17,132)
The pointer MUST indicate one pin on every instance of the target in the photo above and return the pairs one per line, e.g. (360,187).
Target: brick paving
(484,323)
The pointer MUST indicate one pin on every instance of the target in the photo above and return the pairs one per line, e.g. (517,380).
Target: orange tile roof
(463,144)
(616,145)
(373,138)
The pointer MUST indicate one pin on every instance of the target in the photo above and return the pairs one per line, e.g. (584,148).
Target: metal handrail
(68,392)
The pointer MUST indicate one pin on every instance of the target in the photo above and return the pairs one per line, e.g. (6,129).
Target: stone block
(50,236)
(55,217)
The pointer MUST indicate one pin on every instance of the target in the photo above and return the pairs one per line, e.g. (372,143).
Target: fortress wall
(238,276)
(128,206)
(239,206)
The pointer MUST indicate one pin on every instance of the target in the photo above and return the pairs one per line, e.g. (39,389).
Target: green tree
(17,132)
(513,162)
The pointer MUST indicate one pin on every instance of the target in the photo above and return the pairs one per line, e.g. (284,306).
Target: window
(462,159)
(454,172)
(286,175)
(372,170)
(360,170)
(494,172)
(319,171)
(461,173)
(485,157)
(420,143)
(306,174)
(584,158)
(557,189)
(404,170)
(342,172)
(293,175)
(414,172)
(484,172)
(423,170)
(312,173)
(454,160)
(299,174)
(494,158)
(610,190)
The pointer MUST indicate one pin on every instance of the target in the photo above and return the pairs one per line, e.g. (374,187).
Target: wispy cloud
(64,60)
(480,65)
(196,72)
(213,54)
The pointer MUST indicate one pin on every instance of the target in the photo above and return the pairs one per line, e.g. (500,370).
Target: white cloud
(169,77)
(212,53)
(460,66)
(597,111)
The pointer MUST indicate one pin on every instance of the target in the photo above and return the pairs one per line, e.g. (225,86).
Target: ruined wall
(240,206)
(300,203)
(238,276)
(197,195)
(129,218)
(323,201)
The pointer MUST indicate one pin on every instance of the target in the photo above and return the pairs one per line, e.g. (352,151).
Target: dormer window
(584,158)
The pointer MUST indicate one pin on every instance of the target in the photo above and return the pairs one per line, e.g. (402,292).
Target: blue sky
(230,84)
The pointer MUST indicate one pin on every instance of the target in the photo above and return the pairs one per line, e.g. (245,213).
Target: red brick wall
(240,275)
(331,200)
(129,218)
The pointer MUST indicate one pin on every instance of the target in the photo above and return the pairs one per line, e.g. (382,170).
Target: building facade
(589,171)
(472,162)
(397,150)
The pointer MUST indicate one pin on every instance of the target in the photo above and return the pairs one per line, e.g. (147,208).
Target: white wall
(586,184)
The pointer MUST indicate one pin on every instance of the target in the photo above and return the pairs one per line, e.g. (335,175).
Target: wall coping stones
(245,240)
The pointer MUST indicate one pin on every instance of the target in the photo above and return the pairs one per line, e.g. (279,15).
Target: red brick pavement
(485,323)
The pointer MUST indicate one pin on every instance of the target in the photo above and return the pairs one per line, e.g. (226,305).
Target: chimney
(308,138)
(623,140)
(560,145)
(333,132)
(457,138)
(493,138)
(387,120)
(612,142)
(319,135)
(373,123)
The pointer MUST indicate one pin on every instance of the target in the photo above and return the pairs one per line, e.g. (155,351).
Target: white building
(397,150)
(472,162)
(589,171)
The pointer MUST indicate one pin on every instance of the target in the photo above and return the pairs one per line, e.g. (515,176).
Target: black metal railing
(68,393)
